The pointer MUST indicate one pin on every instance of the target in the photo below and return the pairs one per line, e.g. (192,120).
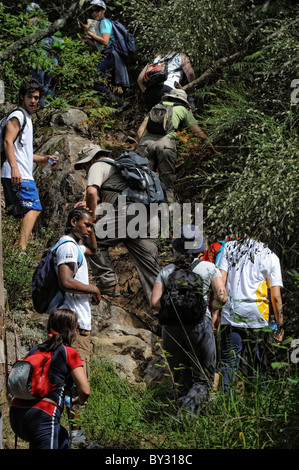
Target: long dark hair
(62,326)
(183,261)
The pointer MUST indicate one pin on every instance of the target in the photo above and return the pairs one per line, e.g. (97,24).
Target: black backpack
(124,43)
(160,119)
(182,301)
(46,293)
(143,184)
(3,124)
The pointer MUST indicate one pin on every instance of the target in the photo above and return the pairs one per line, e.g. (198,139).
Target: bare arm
(200,134)
(276,301)
(140,78)
(103,39)
(141,130)
(187,68)
(82,385)
(68,283)
(92,199)
(91,244)
(156,296)
(11,133)
(220,297)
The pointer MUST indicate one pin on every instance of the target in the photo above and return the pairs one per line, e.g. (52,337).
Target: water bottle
(49,164)
(273,328)
(67,402)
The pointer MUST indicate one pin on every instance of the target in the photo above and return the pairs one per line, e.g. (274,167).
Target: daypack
(124,43)
(214,251)
(155,73)
(3,124)
(29,378)
(143,184)
(182,301)
(46,293)
(160,119)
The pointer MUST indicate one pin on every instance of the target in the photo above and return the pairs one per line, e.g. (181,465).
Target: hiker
(157,143)
(104,185)
(49,51)
(73,280)
(190,344)
(248,267)
(19,187)
(112,65)
(38,421)
(178,66)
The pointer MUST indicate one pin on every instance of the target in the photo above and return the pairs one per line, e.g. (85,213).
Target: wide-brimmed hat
(191,240)
(178,95)
(89,152)
(98,3)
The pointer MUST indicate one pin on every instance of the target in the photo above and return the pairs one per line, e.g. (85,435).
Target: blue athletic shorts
(21,199)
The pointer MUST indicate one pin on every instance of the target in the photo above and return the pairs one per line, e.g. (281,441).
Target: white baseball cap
(98,3)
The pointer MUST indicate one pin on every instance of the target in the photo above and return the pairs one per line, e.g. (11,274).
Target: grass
(124,416)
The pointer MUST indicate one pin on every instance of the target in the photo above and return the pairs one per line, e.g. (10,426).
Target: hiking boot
(78,438)
(122,107)
(112,291)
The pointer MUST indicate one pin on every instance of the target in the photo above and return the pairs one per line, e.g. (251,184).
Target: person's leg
(26,228)
(144,252)
(201,347)
(82,346)
(102,266)
(166,157)
(40,426)
(177,358)
(231,349)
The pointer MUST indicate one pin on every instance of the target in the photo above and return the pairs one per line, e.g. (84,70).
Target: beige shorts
(82,345)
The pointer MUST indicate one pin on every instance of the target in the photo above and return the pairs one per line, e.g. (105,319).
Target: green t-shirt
(180,116)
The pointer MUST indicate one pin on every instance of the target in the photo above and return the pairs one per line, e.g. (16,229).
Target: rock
(74,119)
(122,329)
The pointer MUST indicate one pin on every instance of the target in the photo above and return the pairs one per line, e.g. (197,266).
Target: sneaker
(122,107)
(112,291)
(78,437)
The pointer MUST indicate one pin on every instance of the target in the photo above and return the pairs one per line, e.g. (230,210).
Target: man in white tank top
(20,190)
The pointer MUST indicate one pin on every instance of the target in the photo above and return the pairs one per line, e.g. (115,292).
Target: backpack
(46,293)
(144,184)
(155,73)
(160,119)
(29,378)
(3,124)
(182,301)
(214,251)
(124,43)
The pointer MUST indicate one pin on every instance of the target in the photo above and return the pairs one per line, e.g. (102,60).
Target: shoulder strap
(195,263)
(60,242)
(22,127)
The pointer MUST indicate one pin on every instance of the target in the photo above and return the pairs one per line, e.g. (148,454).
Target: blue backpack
(124,43)
(46,293)
(144,185)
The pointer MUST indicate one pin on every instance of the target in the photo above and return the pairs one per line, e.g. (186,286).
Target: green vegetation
(251,188)
(124,416)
